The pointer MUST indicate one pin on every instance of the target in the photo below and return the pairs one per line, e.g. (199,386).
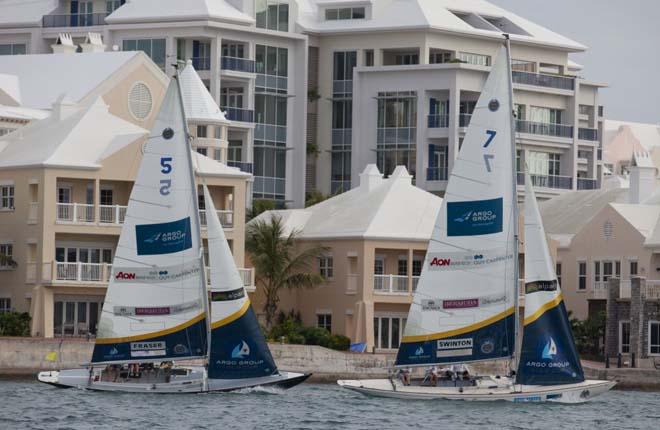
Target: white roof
(19,13)
(71,137)
(10,90)
(197,101)
(206,166)
(388,209)
(177,10)
(43,78)
(648,135)
(21,113)
(642,217)
(433,14)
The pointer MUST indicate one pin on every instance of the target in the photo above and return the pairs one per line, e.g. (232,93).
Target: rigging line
(454,175)
(150,203)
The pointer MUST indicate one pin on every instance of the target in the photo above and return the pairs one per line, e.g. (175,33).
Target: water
(25,404)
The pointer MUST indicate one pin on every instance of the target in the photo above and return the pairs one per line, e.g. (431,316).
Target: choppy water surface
(25,404)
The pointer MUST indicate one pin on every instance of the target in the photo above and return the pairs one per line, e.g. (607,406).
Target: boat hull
(192,382)
(570,393)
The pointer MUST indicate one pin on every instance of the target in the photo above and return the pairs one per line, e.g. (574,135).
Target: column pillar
(637,340)
(409,270)
(612,318)
(97,200)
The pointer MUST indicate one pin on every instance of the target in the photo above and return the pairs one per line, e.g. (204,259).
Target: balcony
(271,84)
(73,20)
(598,291)
(587,184)
(75,213)
(342,89)
(589,134)
(652,290)
(242,165)
(201,63)
(548,181)
(464,119)
(544,129)
(238,114)
(546,81)
(237,64)
(438,121)
(112,214)
(393,284)
(436,173)
(226,218)
(76,272)
(247,275)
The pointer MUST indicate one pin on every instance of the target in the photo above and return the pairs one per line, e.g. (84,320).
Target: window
(13,49)
(379,266)
(388,331)
(7,251)
(106,197)
(113,5)
(402,267)
(154,48)
(406,59)
(345,13)
(523,66)
(520,111)
(654,338)
(369,57)
(545,115)
(558,273)
(234,50)
(231,97)
(271,66)
(396,131)
(607,270)
(633,268)
(553,164)
(439,57)
(582,275)
(478,59)
(202,150)
(235,151)
(140,101)
(201,131)
(343,64)
(325,267)
(270,146)
(596,271)
(324,321)
(417,267)
(272,16)
(5,305)
(624,337)
(7,197)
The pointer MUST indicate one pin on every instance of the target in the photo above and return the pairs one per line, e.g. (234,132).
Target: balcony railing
(201,63)
(271,83)
(624,289)
(226,218)
(436,173)
(598,291)
(243,165)
(652,290)
(237,64)
(544,129)
(548,181)
(75,212)
(540,80)
(590,134)
(238,114)
(270,132)
(342,88)
(438,121)
(74,20)
(586,184)
(391,284)
(391,135)
(82,272)
(112,214)
(247,275)
(464,119)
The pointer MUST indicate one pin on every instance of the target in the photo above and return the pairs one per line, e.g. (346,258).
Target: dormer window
(336,14)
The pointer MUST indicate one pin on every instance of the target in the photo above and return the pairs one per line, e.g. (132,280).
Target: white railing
(352,283)
(33,212)
(82,272)
(391,284)
(599,290)
(75,212)
(112,214)
(226,218)
(415,280)
(247,275)
(624,289)
(652,290)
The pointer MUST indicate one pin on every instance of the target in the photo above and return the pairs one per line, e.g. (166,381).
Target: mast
(515,356)
(199,232)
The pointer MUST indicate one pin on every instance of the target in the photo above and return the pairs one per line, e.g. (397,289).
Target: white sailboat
(156,307)
(465,307)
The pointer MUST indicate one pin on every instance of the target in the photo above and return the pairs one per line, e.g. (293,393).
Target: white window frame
(5,305)
(649,339)
(7,248)
(326,266)
(325,315)
(7,202)
(621,323)
(585,276)
(402,323)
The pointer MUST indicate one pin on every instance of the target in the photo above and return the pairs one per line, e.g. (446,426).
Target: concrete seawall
(25,356)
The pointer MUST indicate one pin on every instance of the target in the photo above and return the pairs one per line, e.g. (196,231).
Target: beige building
(376,235)
(65,182)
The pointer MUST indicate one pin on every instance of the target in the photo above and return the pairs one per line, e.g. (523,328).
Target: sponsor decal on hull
(163,238)
(454,347)
(473,218)
(148,349)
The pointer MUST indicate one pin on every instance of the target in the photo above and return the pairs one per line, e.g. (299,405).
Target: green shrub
(315,336)
(290,329)
(339,342)
(15,324)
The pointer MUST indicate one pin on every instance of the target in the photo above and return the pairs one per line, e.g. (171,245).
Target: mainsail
(548,355)
(463,309)
(154,306)
(238,347)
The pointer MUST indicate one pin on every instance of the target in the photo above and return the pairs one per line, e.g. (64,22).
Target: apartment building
(65,180)
(376,237)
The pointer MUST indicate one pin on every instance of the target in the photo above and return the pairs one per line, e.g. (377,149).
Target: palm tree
(276,262)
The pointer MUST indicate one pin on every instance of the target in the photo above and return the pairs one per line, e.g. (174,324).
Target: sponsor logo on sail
(158,275)
(163,238)
(474,218)
(550,350)
(460,304)
(180,349)
(440,262)
(113,351)
(148,349)
(431,305)
(241,350)
(419,351)
(487,346)
(549,357)
(454,347)
(125,275)
(466,260)
(160,310)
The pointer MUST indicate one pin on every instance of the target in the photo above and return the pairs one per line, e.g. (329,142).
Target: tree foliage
(589,334)
(15,324)
(290,329)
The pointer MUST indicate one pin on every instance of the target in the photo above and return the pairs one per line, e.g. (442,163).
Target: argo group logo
(163,238)
(474,217)
(241,350)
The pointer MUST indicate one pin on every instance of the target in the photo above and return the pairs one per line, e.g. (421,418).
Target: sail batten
(463,309)
(154,307)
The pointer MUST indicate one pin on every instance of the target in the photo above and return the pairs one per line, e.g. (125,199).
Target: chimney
(401,175)
(642,178)
(64,44)
(93,43)
(370,178)
(63,108)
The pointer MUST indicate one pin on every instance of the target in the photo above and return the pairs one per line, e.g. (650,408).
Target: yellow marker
(51,356)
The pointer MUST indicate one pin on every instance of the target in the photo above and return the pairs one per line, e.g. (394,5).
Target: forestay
(238,347)
(463,309)
(154,307)
(548,355)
